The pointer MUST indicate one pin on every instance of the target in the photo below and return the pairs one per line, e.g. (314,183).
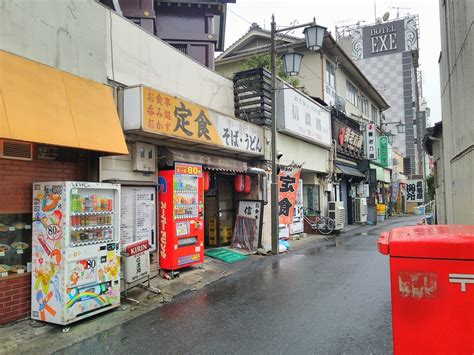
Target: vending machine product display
(181,216)
(75,250)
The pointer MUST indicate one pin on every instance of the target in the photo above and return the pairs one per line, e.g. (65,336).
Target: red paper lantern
(206,179)
(247,184)
(239,183)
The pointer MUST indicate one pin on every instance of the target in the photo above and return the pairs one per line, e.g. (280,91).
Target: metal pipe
(274,186)
(313,23)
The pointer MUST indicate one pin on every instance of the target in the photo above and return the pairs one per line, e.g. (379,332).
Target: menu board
(138,214)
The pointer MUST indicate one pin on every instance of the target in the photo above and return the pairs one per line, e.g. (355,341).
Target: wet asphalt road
(331,297)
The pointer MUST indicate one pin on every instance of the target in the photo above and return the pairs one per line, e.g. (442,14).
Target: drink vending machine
(181,216)
(76,248)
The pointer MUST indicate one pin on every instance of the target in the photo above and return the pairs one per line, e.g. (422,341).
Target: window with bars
(373,113)
(365,106)
(351,93)
(181,47)
(330,74)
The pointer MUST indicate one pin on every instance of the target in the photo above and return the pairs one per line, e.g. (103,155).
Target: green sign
(383,150)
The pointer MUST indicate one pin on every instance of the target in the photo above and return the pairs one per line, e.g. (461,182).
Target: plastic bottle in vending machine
(88,204)
(94,202)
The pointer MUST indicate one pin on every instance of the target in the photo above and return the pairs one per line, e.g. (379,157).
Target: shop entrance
(219,210)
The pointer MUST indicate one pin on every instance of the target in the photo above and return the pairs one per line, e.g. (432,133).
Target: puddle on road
(326,244)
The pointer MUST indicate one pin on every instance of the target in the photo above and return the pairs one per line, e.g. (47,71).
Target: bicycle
(324,225)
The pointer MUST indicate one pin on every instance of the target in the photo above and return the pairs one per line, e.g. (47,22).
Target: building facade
(333,80)
(387,53)
(116,66)
(196,28)
(456,68)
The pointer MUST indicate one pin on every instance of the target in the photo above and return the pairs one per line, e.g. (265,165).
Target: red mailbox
(432,282)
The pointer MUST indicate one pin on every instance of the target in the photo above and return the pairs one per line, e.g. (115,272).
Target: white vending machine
(76,250)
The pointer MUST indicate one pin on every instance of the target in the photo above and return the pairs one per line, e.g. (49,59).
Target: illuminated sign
(188,169)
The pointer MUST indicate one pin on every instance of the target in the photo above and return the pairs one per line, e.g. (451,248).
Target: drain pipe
(263,173)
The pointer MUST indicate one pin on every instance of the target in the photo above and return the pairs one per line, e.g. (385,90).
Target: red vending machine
(181,216)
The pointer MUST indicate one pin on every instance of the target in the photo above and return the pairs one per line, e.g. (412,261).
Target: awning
(210,162)
(348,170)
(382,175)
(40,104)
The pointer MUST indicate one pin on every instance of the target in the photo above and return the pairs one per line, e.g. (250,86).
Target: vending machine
(76,248)
(181,216)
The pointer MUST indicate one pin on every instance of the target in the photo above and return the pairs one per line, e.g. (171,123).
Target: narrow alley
(330,297)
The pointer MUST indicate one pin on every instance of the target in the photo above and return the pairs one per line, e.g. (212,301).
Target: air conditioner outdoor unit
(361,210)
(144,157)
(336,212)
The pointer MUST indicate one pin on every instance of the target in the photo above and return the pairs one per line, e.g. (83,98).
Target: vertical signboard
(288,182)
(371,142)
(383,150)
(415,192)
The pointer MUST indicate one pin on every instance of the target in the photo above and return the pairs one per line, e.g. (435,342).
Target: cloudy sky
(331,13)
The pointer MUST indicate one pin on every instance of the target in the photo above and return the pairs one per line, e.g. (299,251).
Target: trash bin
(432,287)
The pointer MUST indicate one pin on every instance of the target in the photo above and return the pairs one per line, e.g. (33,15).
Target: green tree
(430,183)
(265,60)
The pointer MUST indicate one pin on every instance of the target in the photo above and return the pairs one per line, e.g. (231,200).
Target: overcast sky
(331,13)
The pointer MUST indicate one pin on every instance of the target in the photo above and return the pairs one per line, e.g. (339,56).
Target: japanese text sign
(415,191)
(298,115)
(167,115)
(136,257)
(371,142)
(383,150)
(188,169)
(348,137)
(288,183)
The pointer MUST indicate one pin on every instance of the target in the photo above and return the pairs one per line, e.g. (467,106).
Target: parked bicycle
(323,224)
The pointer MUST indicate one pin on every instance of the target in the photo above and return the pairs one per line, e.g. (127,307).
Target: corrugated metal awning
(348,170)
(208,161)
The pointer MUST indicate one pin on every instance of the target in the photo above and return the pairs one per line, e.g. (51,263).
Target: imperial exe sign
(385,38)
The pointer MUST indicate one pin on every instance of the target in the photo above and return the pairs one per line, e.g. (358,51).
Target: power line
(241,17)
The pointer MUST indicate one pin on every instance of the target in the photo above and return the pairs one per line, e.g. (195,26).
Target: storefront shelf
(13,229)
(75,229)
(96,213)
(184,205)
(90,242)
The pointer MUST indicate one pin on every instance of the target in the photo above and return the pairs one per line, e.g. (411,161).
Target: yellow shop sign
(152,111)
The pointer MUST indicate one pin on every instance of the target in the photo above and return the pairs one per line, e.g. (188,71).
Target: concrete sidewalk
(28,336)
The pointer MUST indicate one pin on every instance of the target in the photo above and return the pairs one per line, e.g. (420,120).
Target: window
(311,199)
(15,244)
(352,94)
(373,113)
(365,107)
(330,74)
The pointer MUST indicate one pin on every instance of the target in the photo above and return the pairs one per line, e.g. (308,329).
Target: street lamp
(400,126)
(390,137)
(291,62)
(314,36)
